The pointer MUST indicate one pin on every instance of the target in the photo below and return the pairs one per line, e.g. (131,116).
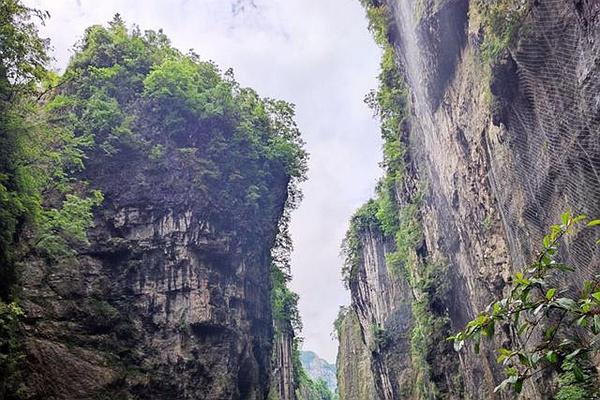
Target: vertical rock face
(383,307)
(500,169)
(283,385)
(355,377)
(163,304)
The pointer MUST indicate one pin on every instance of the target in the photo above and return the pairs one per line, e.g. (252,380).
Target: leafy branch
(535,310)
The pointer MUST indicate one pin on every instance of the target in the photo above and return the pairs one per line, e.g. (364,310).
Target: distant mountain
(317,368)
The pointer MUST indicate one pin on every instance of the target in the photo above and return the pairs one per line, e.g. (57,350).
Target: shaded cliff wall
(160,305)
(171,297)
(505,144)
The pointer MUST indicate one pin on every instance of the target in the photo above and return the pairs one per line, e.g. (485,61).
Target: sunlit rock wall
(354,375)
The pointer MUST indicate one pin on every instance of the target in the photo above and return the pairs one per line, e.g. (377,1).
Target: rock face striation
(160,305)
(355,379)
(495,151)
(283,372)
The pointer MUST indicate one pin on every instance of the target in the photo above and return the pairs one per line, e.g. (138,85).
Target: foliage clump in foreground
(548,329)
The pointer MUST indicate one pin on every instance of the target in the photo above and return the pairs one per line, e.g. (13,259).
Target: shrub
(535,309)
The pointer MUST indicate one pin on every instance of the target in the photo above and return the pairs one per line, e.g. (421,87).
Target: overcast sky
(317,54)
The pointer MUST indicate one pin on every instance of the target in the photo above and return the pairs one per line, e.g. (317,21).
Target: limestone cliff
(283,382)
(503,136)
(355,378)
(171,296)
(161,305)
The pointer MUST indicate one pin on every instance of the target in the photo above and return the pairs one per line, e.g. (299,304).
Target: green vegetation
(576,382)
(544,316)
(408,237)
(363,219)
(11,379)
(501,21)
(284,302)
(310,389)
(44,209)
(136,97)
(380,338)
(37,159)
(430,353)
(390,102)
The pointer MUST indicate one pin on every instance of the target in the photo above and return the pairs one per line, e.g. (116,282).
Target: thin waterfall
(405,19)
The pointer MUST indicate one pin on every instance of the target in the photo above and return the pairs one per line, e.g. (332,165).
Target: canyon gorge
(146,198)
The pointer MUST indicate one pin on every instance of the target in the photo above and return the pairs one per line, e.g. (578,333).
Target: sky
(317,54)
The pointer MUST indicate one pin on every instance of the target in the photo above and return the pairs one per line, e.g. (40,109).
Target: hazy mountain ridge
(319,368)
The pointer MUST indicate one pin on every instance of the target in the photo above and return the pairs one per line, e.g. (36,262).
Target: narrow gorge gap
(366,200)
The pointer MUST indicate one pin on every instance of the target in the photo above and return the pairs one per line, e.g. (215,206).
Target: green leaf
(550,293)
(564,267)
(596,296)
(586,306)
(548,333)
(573,354)
(504,354)
(565,217)
(520,279)
(497,308)
(524,359)
(555,231)
(547,241)
(518,386)
(551,356)
(588,286)
(596,324)
(578,372)
(594,222)
(488,329)
(567,304)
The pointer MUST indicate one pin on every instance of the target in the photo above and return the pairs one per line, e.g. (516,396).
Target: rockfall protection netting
(549,158)
(554,133)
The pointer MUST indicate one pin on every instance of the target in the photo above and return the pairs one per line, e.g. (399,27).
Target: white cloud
(317,54)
